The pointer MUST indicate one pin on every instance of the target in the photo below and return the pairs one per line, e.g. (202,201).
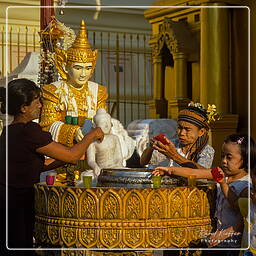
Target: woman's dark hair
(21,92)
(243,141)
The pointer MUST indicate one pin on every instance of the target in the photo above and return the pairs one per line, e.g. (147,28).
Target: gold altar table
(135,218)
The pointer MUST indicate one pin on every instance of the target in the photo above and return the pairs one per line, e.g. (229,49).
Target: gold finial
(81,51)
(81,39)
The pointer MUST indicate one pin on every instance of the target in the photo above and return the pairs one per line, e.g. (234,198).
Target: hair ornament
(211,111)
(240,140)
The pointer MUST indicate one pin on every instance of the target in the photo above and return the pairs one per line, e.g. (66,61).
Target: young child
(234,184)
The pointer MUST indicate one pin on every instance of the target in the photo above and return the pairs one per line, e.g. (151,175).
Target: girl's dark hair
(243,141)
(21,92)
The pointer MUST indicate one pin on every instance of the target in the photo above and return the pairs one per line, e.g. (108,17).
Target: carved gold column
(180,100)
(214,73)
(158,106)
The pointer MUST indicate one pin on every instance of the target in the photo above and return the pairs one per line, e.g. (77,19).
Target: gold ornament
(80,51)
(124,218)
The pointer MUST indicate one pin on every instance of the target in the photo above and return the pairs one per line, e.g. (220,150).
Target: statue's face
(79,73)
(104,123)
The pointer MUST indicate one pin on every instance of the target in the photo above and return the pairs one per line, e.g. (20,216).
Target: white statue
(108,153)
(127,143)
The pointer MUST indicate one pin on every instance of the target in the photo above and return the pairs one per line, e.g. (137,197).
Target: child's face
(231,159)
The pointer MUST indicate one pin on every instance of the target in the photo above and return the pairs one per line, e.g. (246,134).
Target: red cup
(50,180)
(217,176)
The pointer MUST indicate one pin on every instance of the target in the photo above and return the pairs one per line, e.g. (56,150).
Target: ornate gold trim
(122,217)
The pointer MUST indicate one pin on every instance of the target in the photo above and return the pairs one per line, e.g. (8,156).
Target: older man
(190,149)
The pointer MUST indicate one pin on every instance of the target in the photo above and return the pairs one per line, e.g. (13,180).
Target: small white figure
(108,153)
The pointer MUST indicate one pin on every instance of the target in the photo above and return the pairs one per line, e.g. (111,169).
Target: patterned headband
(193,117)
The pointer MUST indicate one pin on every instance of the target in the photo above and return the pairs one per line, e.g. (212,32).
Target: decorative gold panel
(72,217)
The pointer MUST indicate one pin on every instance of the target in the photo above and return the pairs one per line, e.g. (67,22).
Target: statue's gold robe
(56,97)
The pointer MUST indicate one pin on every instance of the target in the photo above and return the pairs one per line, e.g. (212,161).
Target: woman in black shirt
(27,145)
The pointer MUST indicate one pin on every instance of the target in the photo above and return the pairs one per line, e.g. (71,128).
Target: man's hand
(79,135)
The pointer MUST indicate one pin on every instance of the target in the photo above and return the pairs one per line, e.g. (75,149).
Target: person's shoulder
(32,128)
(33,125)
(208,149)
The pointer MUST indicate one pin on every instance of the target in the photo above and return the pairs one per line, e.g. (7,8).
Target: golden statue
(72,100)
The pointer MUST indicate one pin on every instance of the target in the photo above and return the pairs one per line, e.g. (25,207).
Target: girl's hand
(216,238)
(161,171)
(218,175)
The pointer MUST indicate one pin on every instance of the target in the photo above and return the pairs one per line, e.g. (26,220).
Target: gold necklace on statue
(83,97)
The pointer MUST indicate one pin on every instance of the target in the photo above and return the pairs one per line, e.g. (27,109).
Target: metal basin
(134,178)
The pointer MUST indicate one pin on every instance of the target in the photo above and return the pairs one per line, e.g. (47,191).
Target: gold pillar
(180,100)
(158,106)
(215,57)
(214,73)
(180,73)
(158,77)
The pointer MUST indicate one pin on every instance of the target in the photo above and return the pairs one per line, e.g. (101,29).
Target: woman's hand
(168,150)
(152,142)
(97,134)
(161,171)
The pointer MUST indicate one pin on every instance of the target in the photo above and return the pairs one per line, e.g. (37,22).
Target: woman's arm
(50,164)
(184,172)
(169,150)
(70,155)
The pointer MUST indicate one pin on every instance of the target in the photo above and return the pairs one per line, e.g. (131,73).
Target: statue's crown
(81,51)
